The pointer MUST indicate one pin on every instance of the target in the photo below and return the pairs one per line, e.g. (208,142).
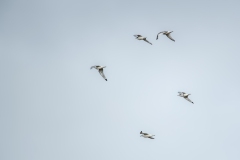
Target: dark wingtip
(106,79)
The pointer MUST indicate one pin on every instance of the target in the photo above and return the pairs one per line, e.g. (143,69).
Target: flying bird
(166,33)
(139,37)
(146,135)
(185,95)
(100,70)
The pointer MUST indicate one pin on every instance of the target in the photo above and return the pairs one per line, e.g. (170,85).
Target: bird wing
(180,93)
(158,34)
(147,41)
(102,74)
(143,133)
(169,36)
(93,67)
(188,100)
(151,137)
(137,35)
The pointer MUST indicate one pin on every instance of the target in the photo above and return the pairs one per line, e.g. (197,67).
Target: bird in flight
(146,135)
(100,70)
(166,33)
(185,96)
(139,37)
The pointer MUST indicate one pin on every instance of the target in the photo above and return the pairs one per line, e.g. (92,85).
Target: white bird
(167,33)
(100,70)
(139,37)
(185,95)
(146,135)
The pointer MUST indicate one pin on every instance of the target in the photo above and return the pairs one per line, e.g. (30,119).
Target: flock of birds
(140,37)
(166,33)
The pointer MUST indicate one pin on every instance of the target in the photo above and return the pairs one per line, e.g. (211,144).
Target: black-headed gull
(167,33)
(100,70)
(185,95)
(139,37)
(146,135)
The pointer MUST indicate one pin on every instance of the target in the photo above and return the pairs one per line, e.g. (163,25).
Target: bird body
(185,96)
(146,135)
(139,37)
(166,33)
(100,70)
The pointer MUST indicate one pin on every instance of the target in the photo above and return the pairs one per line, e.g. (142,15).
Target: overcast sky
(54,107)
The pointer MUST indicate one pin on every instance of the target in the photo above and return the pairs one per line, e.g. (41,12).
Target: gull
(139,37)
(100,70)
(167,33)
(185,95)
(146,135)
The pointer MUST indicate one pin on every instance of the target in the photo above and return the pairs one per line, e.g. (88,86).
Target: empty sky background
(54,107)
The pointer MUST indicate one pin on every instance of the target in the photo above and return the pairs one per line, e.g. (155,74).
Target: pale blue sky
(54,107)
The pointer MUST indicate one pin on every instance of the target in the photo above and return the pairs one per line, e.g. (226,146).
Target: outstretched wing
(143,133)
(147,41)
(181,93)
(137,35)
(158,34)
(102,74)
(188,100)
(96,67)
(169,36)
(151,137)
(93,67)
